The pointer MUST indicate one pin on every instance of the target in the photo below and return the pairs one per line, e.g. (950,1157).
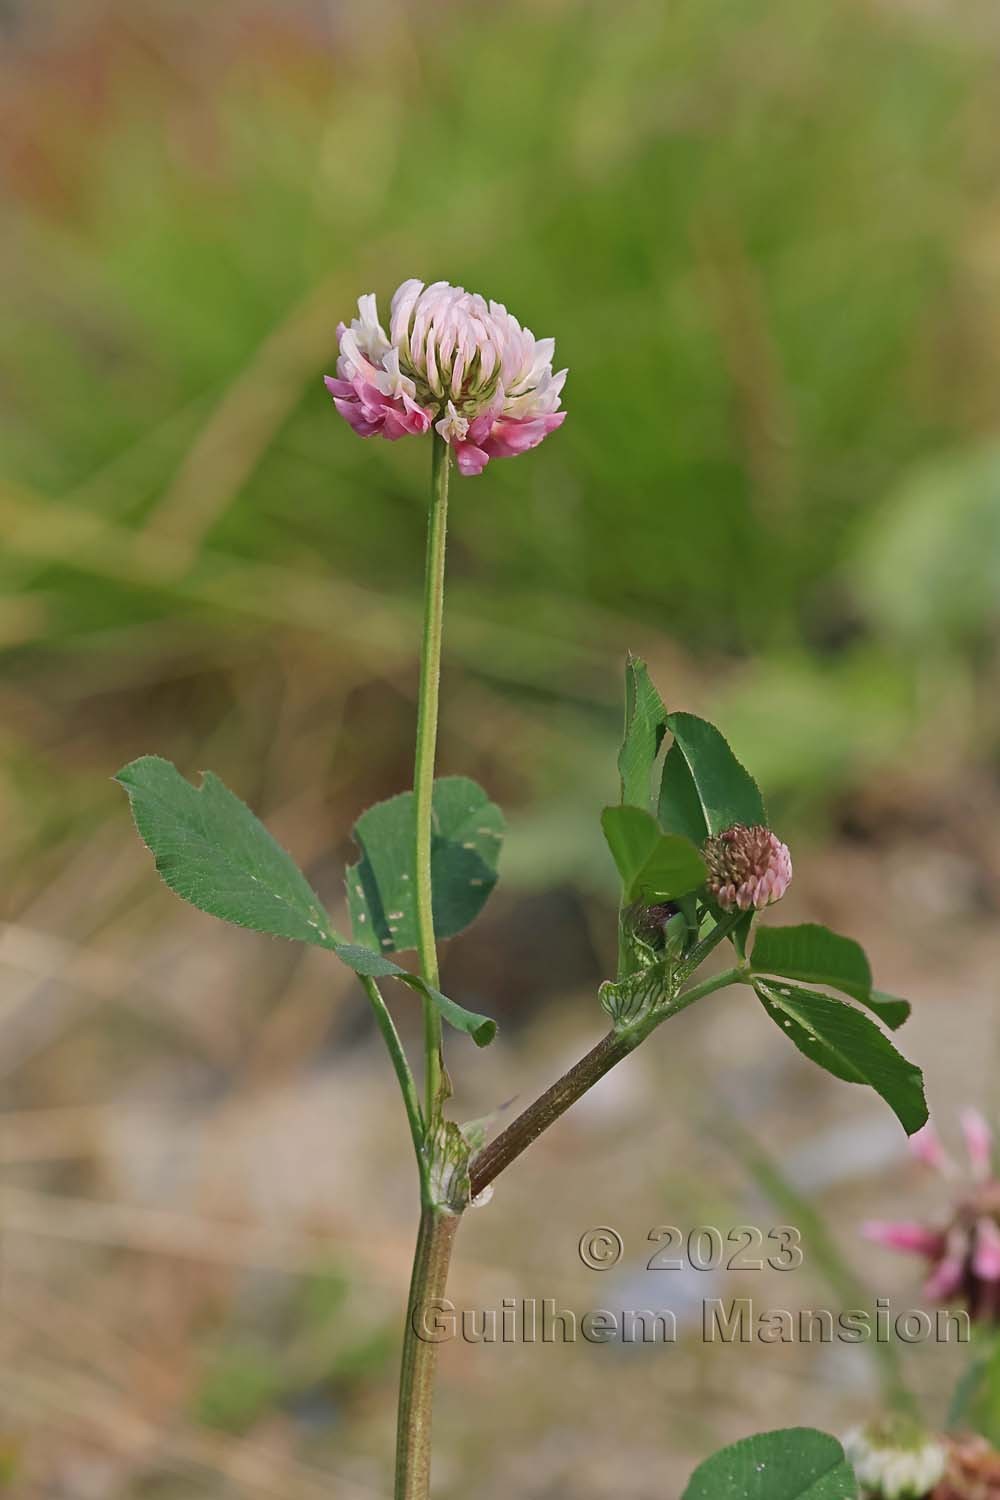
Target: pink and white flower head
(452,359)
(964,1253)
(747,868)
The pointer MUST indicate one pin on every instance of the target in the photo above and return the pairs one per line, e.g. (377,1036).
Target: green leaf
(467,832)
(215,853)
(645,725)
(212,850)
(849,1045)
(818,956)
(891,1010)
(797,1463)
(654,866)
(704,789)
(679,808)
(373,965)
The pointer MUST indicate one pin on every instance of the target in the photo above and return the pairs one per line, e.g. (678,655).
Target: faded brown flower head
(973,1472)
(747,868)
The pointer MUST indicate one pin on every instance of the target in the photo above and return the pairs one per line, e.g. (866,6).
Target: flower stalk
(437,1227)
(423,773)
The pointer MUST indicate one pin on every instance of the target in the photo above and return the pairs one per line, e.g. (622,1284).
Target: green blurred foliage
(931,561)
(9,1462)
(318,1351)
(241,1385)
(757,230)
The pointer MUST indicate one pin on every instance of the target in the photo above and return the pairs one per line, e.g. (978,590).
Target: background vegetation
(765,235)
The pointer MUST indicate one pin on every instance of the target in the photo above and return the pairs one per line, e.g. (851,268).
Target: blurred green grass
(752,227)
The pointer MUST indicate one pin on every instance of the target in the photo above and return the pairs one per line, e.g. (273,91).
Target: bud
(963,1253)
(748,868)
(649,925)
(451,359)
(894,1459)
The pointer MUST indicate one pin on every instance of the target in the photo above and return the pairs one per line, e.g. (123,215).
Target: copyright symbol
(601,1248)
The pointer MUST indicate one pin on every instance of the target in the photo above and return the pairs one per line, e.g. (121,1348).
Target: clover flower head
(748,868)
(453,360)
(894,1459)
(973,1471)
(963,1253)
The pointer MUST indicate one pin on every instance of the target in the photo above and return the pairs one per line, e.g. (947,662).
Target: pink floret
(507,438)
(915,1239)
(373,414)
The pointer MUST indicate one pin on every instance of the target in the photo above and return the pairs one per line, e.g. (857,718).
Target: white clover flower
(895,1460)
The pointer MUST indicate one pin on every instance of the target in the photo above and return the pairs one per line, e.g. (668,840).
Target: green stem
(416,1383)
(698,954)
(423,773)
(408,1088)
(437,1227)
(696,992)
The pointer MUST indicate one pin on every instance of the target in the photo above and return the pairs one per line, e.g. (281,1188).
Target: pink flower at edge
(986,1255)
(925,1146)
(911,1238)
(963,1252)
(946,1278)
(451,359)
(978,1141)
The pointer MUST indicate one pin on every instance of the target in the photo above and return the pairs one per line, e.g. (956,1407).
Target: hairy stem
(416,1383)
(556,1100)
(423,774)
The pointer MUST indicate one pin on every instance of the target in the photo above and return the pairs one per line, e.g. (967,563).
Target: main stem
(416,1383)
(437,1226)
(423,773)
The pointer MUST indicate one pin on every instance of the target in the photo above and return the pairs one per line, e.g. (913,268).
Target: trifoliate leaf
(466,836)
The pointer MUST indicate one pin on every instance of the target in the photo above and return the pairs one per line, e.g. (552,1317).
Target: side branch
(529,1125)
(518,1136)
